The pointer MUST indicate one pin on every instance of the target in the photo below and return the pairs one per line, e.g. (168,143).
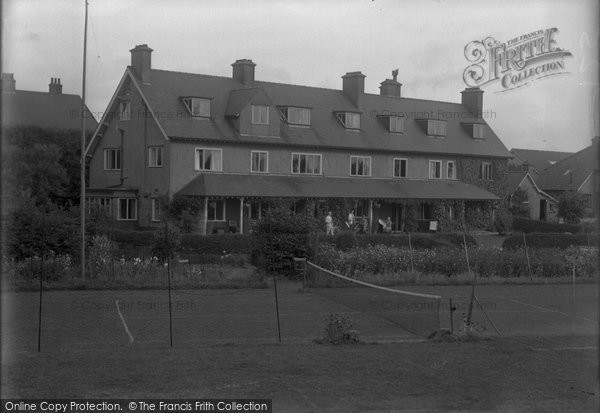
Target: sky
(314,43)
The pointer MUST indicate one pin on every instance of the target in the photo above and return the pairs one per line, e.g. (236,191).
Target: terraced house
(235,143)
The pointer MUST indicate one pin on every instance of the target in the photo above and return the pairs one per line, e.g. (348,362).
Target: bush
(216,244)
(339,330)
(137,238)
(561,241)
(531,225)
(503,221)
(347,240)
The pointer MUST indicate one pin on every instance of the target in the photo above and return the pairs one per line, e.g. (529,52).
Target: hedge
(531,225)
(561,241)
(190,243)
(346,240)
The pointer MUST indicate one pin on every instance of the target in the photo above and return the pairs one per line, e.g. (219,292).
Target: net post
(573,302)
(527,255)
(487,317)
(472,298)
(452,309)
(412,265)
(277,306)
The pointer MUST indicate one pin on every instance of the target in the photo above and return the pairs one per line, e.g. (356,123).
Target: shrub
(216,244)
(531,225)
(166,242)
(503,221)
(550,240)
(137,238)
(339,330)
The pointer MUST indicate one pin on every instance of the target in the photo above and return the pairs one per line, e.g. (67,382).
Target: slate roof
(233,185)
(514,179)
(580,165)
(166,89)
(540,160)
(42,109)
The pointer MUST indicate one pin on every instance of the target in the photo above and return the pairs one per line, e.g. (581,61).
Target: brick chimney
(391,87)
(472,98)
(141,62)
(353,86)
(243,71)
(8,82)
(54,87)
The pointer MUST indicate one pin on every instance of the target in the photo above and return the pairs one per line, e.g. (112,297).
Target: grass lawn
(500,374)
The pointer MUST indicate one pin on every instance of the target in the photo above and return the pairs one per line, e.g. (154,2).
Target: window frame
(437,162)
(486,171)
(300,154)
(188,101)
(357,157)
(394,120)
(252,153)
(286,110)
(431,127)
(400,168)
(197,164)
(102,202)
(208,215)
(106,159)
(256,121)
(153,160)
(125,110)
(343,117)
(453,163)
(478,131)
(135,209)
(155,205)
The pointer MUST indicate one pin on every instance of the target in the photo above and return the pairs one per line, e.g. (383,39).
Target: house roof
(579,165)
(540,160)
(166,88)
(45,110)
(514,179)
(233,185)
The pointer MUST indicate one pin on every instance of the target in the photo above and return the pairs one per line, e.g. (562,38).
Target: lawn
(225,345)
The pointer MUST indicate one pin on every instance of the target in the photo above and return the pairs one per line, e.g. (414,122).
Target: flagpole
(83,115)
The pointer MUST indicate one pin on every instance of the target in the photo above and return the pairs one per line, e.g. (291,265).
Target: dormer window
(198,107)
(436,127)
(260,115)
(395,124)
(478,131)
(296,116)
(350,120)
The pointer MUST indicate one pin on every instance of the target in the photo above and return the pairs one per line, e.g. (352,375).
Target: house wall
(133,137)
(335,163)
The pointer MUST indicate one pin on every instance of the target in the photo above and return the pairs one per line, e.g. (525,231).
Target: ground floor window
(424,211)
(361,208)
(216,210)
(127,209)
(98,204)
(256,209)
(156,210)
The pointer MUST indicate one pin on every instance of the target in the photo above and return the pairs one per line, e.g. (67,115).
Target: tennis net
(416,313)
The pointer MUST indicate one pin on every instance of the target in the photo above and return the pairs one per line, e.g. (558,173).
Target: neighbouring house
(233,144)
(577,173)
(534,161)
(526,199)
(52,109)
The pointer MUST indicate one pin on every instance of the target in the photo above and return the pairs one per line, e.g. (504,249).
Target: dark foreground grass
(499,374)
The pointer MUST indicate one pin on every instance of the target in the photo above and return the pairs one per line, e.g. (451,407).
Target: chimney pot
(141,62)
(243,71)
(55,88)
(391,87)
(353,85)
(8,82)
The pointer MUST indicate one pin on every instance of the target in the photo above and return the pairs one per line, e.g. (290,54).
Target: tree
(519,203)
(571,206)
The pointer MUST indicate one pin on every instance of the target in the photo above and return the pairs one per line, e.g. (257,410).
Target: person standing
(329,224)
(351,219)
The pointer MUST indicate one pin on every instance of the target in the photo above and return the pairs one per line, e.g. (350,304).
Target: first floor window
(400,168)
(127,209)
(486,171)
(260,115)
(198,107)
(436,127)
(360,166)
(155,158)
(296,116)
(259,161)
(112,159)
(209,159)
(216,210)
(155,210)
(451,170)
(435,169)
(306,163)
(478,131)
